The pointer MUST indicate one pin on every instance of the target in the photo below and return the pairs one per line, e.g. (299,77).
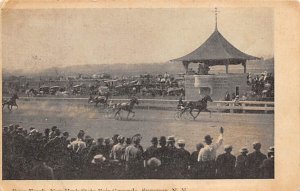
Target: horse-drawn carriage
(10,102)
(44,90)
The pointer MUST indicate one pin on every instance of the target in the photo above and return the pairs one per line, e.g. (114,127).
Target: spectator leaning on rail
(207,155)
(255,160)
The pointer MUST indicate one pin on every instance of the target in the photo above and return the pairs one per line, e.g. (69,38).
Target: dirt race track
(240,129)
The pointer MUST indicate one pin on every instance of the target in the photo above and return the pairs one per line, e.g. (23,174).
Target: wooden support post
(245,67)
(226,68)
(244,105)
(231,105)
(266,111)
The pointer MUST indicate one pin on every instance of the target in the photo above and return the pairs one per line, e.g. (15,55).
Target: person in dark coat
(41,171)
(172,158)
(225,163)
(194,164)
(152,150)
(254,161)
(99,168)
(96,149)
(107,147)
(241,170)
(183,160)
(267,168)
(162,153)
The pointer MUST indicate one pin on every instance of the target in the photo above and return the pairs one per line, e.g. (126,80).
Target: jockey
(180,103)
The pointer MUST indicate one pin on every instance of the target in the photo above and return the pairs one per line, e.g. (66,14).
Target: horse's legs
(191,110)
(17,106)
(133,113)
(128,114)
(209,112)
(117,113)
(182,111)
(197,114)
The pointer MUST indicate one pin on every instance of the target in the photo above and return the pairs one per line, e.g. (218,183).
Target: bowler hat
(208,138)
(154,140)
(227,147)
(171,139)
(244,150)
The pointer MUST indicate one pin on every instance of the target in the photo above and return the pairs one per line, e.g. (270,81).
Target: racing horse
(200,105)
(11,102)
(127,106)
(99,99)
(31,92)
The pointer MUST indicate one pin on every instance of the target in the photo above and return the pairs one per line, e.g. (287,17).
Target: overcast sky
(36,39)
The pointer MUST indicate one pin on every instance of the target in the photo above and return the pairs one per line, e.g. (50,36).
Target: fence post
(230,105)
(266,111)
(244,105)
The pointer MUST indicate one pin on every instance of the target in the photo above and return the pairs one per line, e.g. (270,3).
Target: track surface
(240,129)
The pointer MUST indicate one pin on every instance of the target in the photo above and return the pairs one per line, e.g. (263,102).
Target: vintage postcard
(150,96)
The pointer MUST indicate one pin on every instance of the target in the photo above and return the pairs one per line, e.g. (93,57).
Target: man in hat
(225,163)
(78,145)
(41,171)
(118,150)
(255,160)
(52,133)
(240,165)
(207,155)
(182,159)
(99,168)
(107,147)
(172,156)
(162,155)
(194,161)
(152,150)
(134,159)
(267,168)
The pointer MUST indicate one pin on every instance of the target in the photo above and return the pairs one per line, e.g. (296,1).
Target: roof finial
(216,15)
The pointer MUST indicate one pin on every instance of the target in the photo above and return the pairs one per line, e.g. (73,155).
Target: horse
(99,99)
(11,102)
(200,105)
(31,92)
(126,107)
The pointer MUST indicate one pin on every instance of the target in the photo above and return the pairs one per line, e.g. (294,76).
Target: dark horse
(200,105)
(31,91)
(11,102)
(99,99)
(128,106)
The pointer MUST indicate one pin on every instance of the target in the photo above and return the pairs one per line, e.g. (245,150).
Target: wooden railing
(215,106)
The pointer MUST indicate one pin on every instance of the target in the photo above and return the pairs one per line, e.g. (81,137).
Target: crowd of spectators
(30,154)
(262,85)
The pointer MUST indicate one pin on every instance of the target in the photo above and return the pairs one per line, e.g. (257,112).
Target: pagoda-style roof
(216,50)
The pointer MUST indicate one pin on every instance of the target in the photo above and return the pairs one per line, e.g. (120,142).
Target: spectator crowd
(262,85)
(30,154)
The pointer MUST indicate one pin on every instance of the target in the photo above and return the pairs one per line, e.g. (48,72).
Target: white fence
(217,106)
